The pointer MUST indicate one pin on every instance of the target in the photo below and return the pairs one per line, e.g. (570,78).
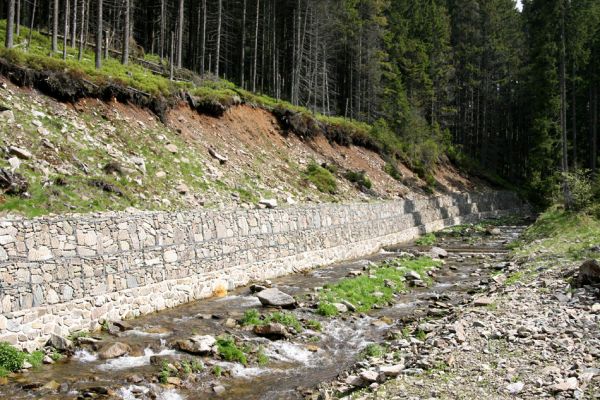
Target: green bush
(11,358)
(580,188)
(360,178)
(393,171)
(322,178)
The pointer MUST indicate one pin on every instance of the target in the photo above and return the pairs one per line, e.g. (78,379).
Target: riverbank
(533,333)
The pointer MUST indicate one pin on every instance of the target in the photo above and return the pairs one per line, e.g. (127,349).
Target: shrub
(393,171)
(322,178)
(579,184)
(360,178)
(11,358)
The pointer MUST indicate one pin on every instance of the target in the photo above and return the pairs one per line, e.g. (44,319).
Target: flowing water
(293,364)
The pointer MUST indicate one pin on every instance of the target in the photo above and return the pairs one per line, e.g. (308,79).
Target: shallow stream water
(294,364)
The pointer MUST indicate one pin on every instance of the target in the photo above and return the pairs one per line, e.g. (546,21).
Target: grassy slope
(557,237)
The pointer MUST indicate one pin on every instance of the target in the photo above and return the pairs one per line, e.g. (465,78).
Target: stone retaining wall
(68,273)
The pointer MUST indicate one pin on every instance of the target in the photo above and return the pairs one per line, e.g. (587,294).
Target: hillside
(94,155)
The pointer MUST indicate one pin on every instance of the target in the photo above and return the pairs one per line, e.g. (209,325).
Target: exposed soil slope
(95,155)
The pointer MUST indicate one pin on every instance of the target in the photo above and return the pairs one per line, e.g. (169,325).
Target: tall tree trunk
(74,25)
(10,25)
(574,114)
(219,26)
(66,29)
(255,46)
(243,55)
(180,34)
(563,108)
(55,26)
(594,144)
(203,50)
(31,22)
(99,36)
(17,17)
(171,56)
(162,29)
(126,31)
(82,30)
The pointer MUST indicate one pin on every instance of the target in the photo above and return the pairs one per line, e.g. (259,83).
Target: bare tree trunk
(18,18)
(171,61)
(55,26)
(574,114)
(31,23)
(219,26)
(180,35)
(243,55)
(255,46)
(74,24)
(82,30)
(10,25)
(563,109)
(594,104)
(203,52)
(99,36)
(65,29)
(126,31)
(162,29)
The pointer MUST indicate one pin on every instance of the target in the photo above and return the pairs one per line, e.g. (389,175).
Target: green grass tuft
(321,177)
(229,351)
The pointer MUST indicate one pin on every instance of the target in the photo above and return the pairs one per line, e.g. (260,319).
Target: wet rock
(113,350)
(413,276)
(60,343)
(52,385)
(200,345)
(159,360)
(438,252)
(276,298)
(589,273)
(173,380)
(274,331)
(218,389)
(257,288)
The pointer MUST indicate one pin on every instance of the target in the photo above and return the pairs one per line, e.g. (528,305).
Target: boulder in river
(273,331)
(276,298)
(200,345)
(60,343)
(438,252)
(589,273)
(113,350)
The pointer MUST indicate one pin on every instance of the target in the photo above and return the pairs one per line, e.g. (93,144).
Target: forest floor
(98,156)
(534,333)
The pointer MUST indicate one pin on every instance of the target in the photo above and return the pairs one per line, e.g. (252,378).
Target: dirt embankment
(181,160)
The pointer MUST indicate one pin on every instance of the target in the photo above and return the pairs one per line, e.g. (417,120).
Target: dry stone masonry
(68,273)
